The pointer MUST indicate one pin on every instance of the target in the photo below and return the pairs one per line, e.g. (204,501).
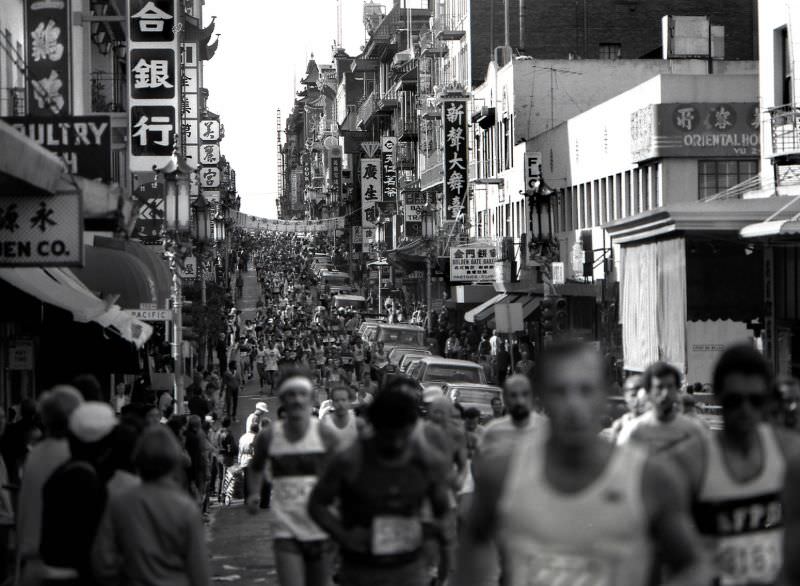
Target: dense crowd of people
(367,481)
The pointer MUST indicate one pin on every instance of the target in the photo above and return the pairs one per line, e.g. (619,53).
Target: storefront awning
(115,273)
(152,260)
(62,289)
(486,309)
(772,227)
(711,217)
(26,161)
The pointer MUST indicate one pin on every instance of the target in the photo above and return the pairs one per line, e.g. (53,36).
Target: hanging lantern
(202,222)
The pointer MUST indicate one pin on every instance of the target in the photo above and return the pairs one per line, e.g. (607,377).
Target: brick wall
(556,28)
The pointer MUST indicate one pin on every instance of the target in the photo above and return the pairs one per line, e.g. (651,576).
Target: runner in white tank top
(738,478)
(340,420)
(296,449)
(568,507)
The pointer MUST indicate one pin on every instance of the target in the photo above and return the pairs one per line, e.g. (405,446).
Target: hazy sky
(265,45)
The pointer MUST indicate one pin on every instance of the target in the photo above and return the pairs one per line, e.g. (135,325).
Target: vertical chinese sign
(389,171)
(48,30)
(154,82)
(190,83)
(210,157)
(335,179)
(455,156)
(370,191)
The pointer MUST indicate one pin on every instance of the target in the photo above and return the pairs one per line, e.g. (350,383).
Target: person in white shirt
(256,416)
(339,418)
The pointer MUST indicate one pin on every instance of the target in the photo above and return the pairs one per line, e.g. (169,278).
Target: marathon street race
(399,292)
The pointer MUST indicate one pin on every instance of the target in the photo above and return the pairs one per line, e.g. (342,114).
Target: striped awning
(485,310)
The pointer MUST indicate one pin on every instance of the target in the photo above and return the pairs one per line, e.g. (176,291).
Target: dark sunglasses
(737,400)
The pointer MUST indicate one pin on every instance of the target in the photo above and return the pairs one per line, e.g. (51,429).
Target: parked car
(398,335)
(409,360)
(433,372)
(336,281)
(473,395)
(397,354)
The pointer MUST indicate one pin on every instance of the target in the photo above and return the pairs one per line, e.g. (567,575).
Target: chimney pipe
(521,26)
(507,24)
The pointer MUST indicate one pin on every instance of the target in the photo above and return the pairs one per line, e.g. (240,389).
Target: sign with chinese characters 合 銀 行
(454,115)
(49,83)
(474,263)
(41,231)
(388,154)
(696,130)
(370,190)
(83,142)
(154,84)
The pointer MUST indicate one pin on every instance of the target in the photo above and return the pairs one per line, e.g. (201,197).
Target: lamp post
(202,236)
(428,233)
(176,226)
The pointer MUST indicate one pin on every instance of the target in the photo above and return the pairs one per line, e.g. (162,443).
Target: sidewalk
(240,544)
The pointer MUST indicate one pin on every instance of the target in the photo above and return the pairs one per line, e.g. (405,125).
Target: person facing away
(152,535)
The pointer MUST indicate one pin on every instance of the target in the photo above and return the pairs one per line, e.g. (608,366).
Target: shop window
(610,51)
(719,175)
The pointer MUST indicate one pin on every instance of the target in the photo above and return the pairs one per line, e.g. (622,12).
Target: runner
(295,449)
(737,476)
(340,419)
(663,427)
(567,507)
(381,482)
(518,399)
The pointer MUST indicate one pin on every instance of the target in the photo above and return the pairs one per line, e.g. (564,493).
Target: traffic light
(547,315)
(561,315)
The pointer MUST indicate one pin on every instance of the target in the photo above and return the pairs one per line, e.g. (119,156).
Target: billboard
(48,25)
(474,263)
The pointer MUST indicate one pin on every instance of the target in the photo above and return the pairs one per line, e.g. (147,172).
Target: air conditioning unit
(402,58)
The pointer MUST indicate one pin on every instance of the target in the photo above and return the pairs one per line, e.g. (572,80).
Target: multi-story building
(12,58)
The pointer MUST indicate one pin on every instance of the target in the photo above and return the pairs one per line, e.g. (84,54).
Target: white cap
(92,421)
(262,406)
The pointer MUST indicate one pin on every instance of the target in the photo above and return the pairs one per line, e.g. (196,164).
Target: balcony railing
(430,46)
(448,27)
(388,101)
(368,108)
(785,122)
(407,128)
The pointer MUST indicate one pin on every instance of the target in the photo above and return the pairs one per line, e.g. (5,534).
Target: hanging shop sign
(695,130)
(473,263)
(209,154)
(209,177)
(41,231)
(210,130)
(189,269)
(533,169)
(49,82)
(370,190)
(335,179)
(356,235)
(190,86)
(456,179)
(389,168)
(153,82)
(150,222)
(83,142)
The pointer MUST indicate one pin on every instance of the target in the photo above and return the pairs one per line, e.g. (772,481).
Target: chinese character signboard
(153,82)
(151,213)
(190,84)
(41,231)
(695,130)
(473,263)
(370,191)
(413,202)
(356,235)
(209,177)
(48,25)
(454,114)
(210,130)
(388,148)
(335,184)
(83,142)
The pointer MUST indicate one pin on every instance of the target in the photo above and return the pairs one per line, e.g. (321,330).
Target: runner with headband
(296,449)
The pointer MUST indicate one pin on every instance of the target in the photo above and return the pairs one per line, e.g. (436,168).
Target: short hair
(288,373)
(392,409)
(471,413)
(562,350)
(340,388)
(55,407)
(660,370)
(741,359)
(157,454)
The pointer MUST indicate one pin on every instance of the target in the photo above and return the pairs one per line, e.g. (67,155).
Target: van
(336,281)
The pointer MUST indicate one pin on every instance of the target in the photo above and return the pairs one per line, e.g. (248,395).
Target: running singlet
(347,434)
(742,522)
(295,468)
(596,537)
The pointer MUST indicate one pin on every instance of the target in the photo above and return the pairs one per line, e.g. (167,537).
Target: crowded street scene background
(399,293)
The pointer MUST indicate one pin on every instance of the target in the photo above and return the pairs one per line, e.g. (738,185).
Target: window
(716,176)
(508,220)
(610,51)
(506,144)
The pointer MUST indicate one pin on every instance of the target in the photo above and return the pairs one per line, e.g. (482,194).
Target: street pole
(177,336)
(380,305)
(428,286)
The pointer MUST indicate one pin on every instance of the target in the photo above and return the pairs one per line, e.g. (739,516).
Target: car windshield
(395,337)
(439,373)
(337,279)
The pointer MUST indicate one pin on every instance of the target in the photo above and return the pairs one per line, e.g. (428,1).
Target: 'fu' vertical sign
(154,81)
(454,116)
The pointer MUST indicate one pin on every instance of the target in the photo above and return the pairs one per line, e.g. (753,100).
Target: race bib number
(749,559)
(547,569)
(396,535)
(293,492)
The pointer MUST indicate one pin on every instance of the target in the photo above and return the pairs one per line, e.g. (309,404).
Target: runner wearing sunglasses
(744,479)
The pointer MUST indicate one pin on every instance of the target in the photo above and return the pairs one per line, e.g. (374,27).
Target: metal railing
(785,126)
(448,27)
(367,108)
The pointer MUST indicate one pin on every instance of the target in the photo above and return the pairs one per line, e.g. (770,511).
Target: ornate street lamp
(202,224)
(219,227)
(428,213)
(543,246)
(176,198)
